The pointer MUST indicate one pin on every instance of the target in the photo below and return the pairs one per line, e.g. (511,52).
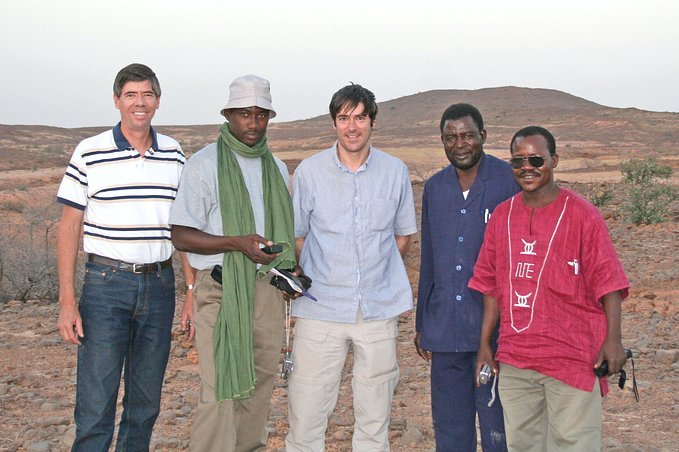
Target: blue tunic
(449,314)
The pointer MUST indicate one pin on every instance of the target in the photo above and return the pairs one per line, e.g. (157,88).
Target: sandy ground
(37,384)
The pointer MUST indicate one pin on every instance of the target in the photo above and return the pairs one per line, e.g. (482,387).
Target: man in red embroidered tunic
(551,277)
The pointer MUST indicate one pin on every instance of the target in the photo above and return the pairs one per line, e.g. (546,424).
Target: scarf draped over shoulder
(232,333)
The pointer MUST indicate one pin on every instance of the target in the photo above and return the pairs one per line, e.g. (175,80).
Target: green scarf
(232,334)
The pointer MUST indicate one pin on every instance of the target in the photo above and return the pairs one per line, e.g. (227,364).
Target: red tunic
(548,268)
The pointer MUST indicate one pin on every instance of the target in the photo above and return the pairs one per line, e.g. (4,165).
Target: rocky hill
(582,127)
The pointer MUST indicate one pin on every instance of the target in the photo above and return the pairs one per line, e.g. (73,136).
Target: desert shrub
(13,206)
(647,195)
(422,173)
(27,255)
(601,194)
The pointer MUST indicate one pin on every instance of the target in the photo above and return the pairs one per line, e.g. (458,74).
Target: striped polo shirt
(125,197)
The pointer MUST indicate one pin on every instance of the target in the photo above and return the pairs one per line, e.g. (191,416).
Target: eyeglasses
(534,160)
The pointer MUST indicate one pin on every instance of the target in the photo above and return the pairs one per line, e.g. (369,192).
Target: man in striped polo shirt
(118,189)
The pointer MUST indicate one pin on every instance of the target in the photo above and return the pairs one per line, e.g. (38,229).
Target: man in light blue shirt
(354,219)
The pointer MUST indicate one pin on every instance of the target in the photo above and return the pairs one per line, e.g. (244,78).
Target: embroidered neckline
(523,303)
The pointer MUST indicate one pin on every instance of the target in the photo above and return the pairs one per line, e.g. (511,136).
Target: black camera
(217,273)
(602,371)
(286,285)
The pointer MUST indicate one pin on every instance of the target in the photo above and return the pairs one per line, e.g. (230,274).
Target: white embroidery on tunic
(523,270)
(522,300)
(528,247)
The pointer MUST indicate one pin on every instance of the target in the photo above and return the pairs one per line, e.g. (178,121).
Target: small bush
(13,206)
(601,194)
(647,196)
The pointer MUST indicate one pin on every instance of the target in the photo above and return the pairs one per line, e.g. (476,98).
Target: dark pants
(455,401)
(127,321)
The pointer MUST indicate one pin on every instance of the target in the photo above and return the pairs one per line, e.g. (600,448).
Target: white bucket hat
(250,91)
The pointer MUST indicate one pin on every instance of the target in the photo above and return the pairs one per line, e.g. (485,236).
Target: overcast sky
(59,58)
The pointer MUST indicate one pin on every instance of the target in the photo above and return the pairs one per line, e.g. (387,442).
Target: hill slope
(583,128)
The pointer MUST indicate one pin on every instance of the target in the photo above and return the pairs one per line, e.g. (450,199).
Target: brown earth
(37,384)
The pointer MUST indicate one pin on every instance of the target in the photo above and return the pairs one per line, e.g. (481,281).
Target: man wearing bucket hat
(233,199)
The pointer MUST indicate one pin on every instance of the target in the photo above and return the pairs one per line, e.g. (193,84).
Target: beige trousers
(319,352)
(235,426)
(544,414)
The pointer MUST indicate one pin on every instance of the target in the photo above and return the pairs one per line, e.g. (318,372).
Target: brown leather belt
(134,268)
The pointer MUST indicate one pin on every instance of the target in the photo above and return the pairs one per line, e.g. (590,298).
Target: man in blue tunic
(456,205)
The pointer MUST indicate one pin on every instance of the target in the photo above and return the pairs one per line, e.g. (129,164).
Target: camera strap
(623,377)
(635,388)
(286,368)
(492,389)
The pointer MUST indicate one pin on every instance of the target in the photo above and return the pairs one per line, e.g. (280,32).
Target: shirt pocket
(382,212)
(568,278)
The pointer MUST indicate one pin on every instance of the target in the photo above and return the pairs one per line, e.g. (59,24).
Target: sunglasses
(535,161)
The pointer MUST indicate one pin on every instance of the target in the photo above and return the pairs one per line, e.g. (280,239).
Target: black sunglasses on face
(535,161)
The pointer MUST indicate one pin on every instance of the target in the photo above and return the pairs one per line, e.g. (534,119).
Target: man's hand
(485,355)
(613,352)
(425,354)
(612,349)
(296,271)
(187,315)
(189,280)
(250,246)
(70,323)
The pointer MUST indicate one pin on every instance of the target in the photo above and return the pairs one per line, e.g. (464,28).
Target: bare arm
(612,349)
(68,242)
(190,239)
(190,280)
(403,243)
(491,315)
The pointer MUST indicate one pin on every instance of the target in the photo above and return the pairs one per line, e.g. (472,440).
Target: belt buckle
(138,268)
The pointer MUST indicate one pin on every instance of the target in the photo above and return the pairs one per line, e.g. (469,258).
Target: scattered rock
(667,356)
(37,382)
(68,438)
(340,420)
(341,435)
(39,446)
(57,420)
(398,424)
(412,436)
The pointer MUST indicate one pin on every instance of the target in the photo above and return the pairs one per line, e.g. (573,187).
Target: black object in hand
(602,371)
(273,249)
(303,281)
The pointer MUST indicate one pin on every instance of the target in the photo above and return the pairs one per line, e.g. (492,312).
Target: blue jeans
(127,322)
(455,402)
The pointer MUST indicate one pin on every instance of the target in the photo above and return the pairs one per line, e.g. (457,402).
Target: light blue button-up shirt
(349,222)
